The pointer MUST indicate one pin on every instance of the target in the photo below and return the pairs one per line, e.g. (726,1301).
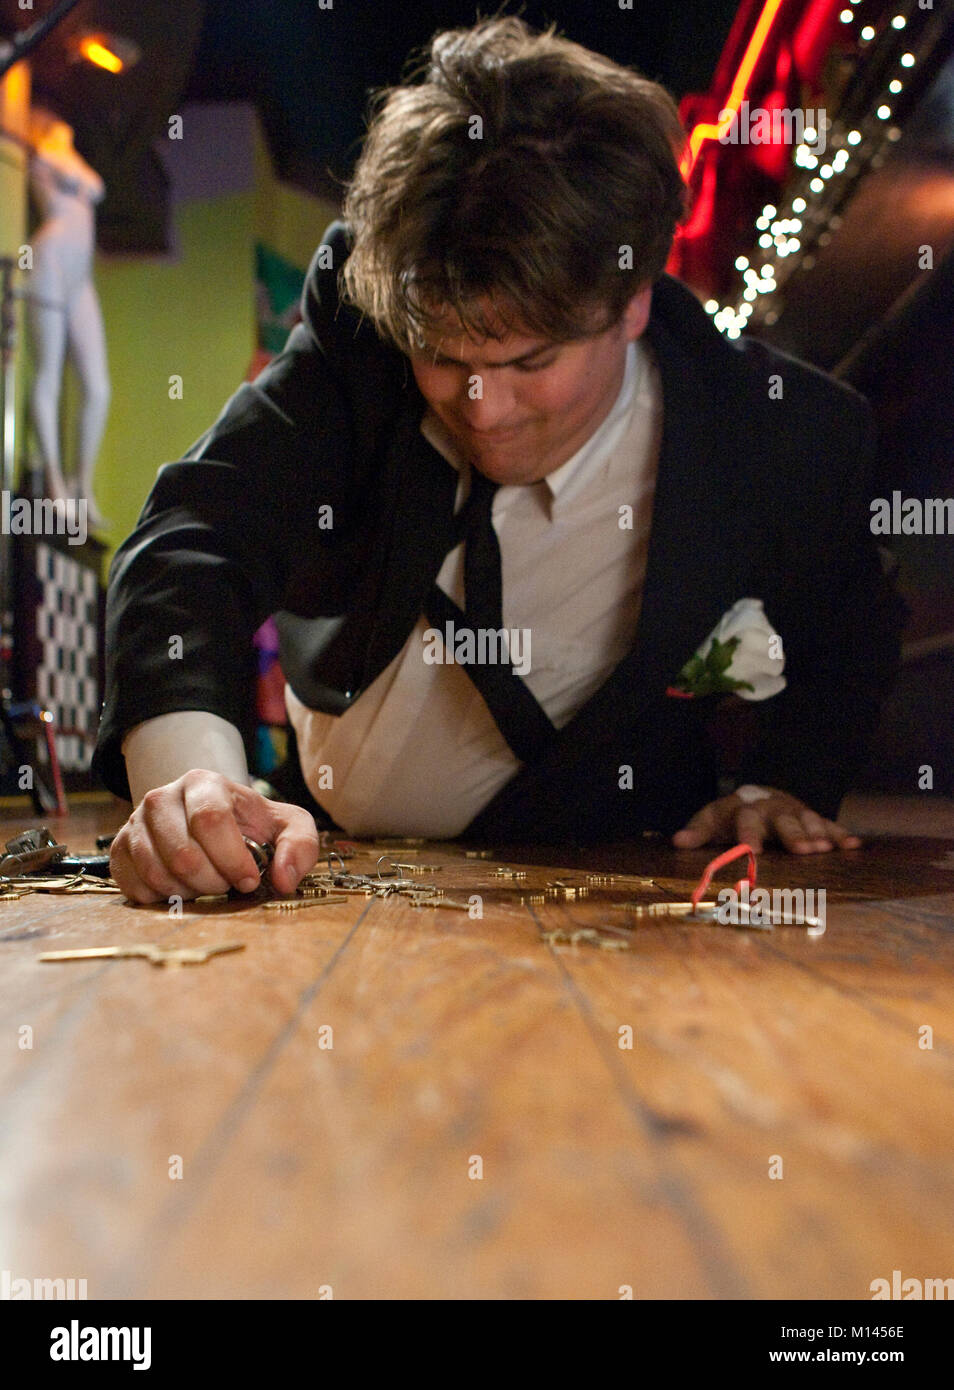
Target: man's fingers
(829,830)
(188,858)
(224,859)
(752,825)
(291,829)
(777,816)
(703,826)
(817,830)
(806,832)
(138,868)
(797,837)
(297,846)
(816,827)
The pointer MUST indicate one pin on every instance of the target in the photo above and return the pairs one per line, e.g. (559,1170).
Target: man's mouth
(495,433)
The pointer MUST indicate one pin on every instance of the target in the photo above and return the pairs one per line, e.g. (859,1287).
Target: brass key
(694,912)
(295,904)
(100,953)
(59,883)
(707,912)
(155,954)
(192,955)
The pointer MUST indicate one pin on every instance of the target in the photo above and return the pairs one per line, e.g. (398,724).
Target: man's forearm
(160,750)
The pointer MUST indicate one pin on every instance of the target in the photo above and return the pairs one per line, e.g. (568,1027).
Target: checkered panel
(67,619)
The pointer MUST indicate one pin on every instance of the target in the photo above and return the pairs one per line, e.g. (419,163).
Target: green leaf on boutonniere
(706,675)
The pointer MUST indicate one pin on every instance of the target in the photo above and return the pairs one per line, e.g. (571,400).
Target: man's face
(534,403)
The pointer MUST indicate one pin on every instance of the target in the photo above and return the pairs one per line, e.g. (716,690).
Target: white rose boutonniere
(742,655)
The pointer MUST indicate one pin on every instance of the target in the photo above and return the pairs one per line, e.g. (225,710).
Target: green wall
(193,318)
(288,221)
(13,235)
(12,198)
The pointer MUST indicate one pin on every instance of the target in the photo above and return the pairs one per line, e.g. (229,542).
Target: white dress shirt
(419,753)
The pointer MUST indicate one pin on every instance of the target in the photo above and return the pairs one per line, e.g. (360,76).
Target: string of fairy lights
(786,236)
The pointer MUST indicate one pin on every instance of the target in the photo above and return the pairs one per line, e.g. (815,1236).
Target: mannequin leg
(49,334)
(87,344)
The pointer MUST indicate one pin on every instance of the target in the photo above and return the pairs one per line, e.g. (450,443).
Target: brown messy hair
(577,158)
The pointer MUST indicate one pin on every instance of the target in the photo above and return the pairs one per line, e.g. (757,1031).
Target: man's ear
(636,313)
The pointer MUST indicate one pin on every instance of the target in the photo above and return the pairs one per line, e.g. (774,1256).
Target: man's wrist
(161,749)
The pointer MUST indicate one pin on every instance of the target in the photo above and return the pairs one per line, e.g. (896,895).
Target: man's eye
(520,366)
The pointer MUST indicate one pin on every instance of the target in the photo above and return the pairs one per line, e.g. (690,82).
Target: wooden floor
(462,1044)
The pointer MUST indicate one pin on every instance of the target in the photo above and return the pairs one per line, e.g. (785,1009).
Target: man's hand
(778,816)
(185,839)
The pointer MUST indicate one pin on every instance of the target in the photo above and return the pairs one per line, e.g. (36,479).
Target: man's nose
(486,402)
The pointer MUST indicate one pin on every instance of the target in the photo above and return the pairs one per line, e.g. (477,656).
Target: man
(498,418)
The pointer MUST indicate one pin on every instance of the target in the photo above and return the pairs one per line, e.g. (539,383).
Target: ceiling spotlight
(112,52)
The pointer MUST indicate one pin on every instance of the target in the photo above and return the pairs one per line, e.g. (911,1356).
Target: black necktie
(483,585)
(520,718)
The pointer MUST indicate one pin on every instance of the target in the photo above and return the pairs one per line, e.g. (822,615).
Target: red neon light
(708,130)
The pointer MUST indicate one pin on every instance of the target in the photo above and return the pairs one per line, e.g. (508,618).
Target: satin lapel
(421,486)
(698,522)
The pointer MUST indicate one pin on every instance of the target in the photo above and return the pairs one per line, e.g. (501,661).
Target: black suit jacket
(756,497)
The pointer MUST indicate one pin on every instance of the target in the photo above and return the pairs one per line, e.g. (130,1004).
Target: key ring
(393,874)
(263,854)
(727,857)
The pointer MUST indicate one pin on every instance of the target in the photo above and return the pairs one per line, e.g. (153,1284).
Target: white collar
(565,482)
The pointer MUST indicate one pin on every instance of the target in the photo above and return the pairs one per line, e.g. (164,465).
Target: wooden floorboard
(464,1043)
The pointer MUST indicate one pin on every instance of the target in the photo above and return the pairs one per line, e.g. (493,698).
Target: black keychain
(36,853)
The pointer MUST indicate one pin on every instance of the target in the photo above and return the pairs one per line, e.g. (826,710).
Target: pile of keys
(321,886)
